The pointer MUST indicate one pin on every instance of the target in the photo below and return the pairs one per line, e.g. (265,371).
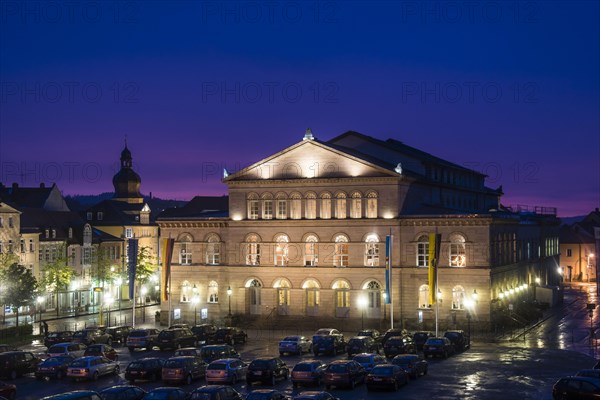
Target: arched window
(458,298)
(340,252)
(281,250)
(185,253)
(281,206)
(253,206)
(340,205)
(424,296)
(313,297)
(295,206)
(186,292)
(213,250)
(372,205)
(342,298)
(283,296)
(254,295)
(423,251)
(267,206)
(310,207)
(457,251)
(325,205)
(310,251)
(213,292)
(356,205)
(252,249)
(372,250)
(373,289)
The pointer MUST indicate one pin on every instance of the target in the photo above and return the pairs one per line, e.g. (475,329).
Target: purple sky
(508,88)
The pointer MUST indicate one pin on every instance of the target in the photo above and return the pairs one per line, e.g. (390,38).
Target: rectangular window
(186,254)
(325,208)
(569,253)
(281,209)
(296,209)
(22,246)
(340,255)
(87,255)
(213,255)
(100,215)
(356,208)
(1,223)
(310,255)
(422,254)
(372,255)
(89,216)
(252,209)
(371,208)
(252,254)
(10,246)
(128,233)
(311,208)
(340,208)
(10,222)
(268,209)
(31,248)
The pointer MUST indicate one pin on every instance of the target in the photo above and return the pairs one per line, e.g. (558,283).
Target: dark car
(315,395)
(230,335)
(347,373)
(399,345)
(6,347)
(386,376)
(391,333)
(119,333)
(183,369)
(361,344)
(123,392)
(92,336)
(420,337)
(204,333)
(103,350)
(374,333)
(438,346)
(175,338)
(215,392)
(142,339)
(189,351)
(8,390)
(267,370)
(459,339)
(53,338)
(328,344)
(166,393)
(576,387)
(267,394)
(149,369)
(308,372)
(14,364)
(413,364)
(75,395)
(54,367)
(369,360)
(590,373)
(217,351)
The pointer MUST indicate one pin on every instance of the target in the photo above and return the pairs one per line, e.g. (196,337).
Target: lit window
(213,292)
(424,296)
(185,255)
(340,205)
(372,250)
(325,206)
(128,233)
(313,298)
(457,251)
(373,295)
(295,206)
(340,253)
(281,206)
(371,205)
(281,250)
(185,292)
(253,206)
(423,251)
(342,294)
(310,251)
(267,206)
(283,292)
(310,211)
(356,205)
(213,250)
(252,250)
(458,298)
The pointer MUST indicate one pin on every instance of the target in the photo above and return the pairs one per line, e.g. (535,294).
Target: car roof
(210,388)
(118,388)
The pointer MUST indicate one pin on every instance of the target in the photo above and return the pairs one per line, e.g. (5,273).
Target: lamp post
(362,304)
(229,291)
(195,301)
(108,300)
(119,282)
(384,306)
(589,266)
(143,291)
(40,301)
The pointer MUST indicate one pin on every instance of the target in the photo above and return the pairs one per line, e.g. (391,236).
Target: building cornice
(318,181)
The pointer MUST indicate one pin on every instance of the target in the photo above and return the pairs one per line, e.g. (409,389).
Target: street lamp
(362,304)
(195,301)
(143,292)
(229,291)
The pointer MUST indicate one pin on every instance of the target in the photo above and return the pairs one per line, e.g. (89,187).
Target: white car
(295,345)
(62,349)
(92,367)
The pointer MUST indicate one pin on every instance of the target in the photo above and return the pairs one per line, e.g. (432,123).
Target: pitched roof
(574,234)
(115,213)
(199,207)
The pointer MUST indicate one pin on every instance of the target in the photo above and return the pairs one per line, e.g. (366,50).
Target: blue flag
(132,252)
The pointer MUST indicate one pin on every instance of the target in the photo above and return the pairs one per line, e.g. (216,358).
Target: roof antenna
(308,135)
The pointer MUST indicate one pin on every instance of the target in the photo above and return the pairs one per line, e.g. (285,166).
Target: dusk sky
(511,89)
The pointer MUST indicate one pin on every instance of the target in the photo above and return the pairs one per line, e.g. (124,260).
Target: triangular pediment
(5,208)
(311,159)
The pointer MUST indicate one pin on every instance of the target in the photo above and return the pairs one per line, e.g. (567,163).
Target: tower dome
(127,182)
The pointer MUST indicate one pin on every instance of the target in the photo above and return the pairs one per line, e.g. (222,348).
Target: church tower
(127,182)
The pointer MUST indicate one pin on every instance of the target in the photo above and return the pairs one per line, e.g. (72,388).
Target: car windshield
(211,352)
(421,335)
(303,367)
(435,341)
(167,334)
(259,364)
(173,364)
(201,396)
(259,396)
(79,334)
(217,366)
(324,339)
(452,335)
(79,363)
(136,364)
(161,395)
(58,360)
(186,352)
(57,349)
(382,371)
(363,359)
(365,333)
(356,342)
(138,334)
(290,339)
(95,350)
(337,368)
(394,341)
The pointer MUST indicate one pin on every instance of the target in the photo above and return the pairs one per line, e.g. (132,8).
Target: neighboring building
(578,249)
(304,231)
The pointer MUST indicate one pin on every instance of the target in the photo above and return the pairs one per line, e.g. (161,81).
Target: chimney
(42,185)
(15,186)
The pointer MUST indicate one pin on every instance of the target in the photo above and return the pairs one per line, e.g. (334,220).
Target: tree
(146,265)
(103,268)
(6,260)
(20,287)
(57,274)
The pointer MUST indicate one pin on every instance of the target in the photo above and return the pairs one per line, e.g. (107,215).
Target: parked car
(92,367)
(145,369)
(308,372)
(267,394)
(142,339)
(166,393)
(438,346)
(576,387)
(53,338)
(328,331)
(176,326)
(8,391)
(413,364)
(343,373)
(267,370)
(420,337)
(361,344)
(123,392)
(119,333)
(204,333)
(183,369)
(459,339)
(590,373)
(386,376)
(102,350)
(369,360)
(75,395)
(215,392)
(393,332)
(14,364)
(91,336)
(217,351)
(227,370)
(374,333)
(399,345)
(328,344)
(230,335)
(71,349)
(6,347)
(295,345)
(315,395)
(54,367)
(175,338)
(189,351)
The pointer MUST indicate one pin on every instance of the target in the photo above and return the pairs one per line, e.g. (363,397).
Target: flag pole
(133,314)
